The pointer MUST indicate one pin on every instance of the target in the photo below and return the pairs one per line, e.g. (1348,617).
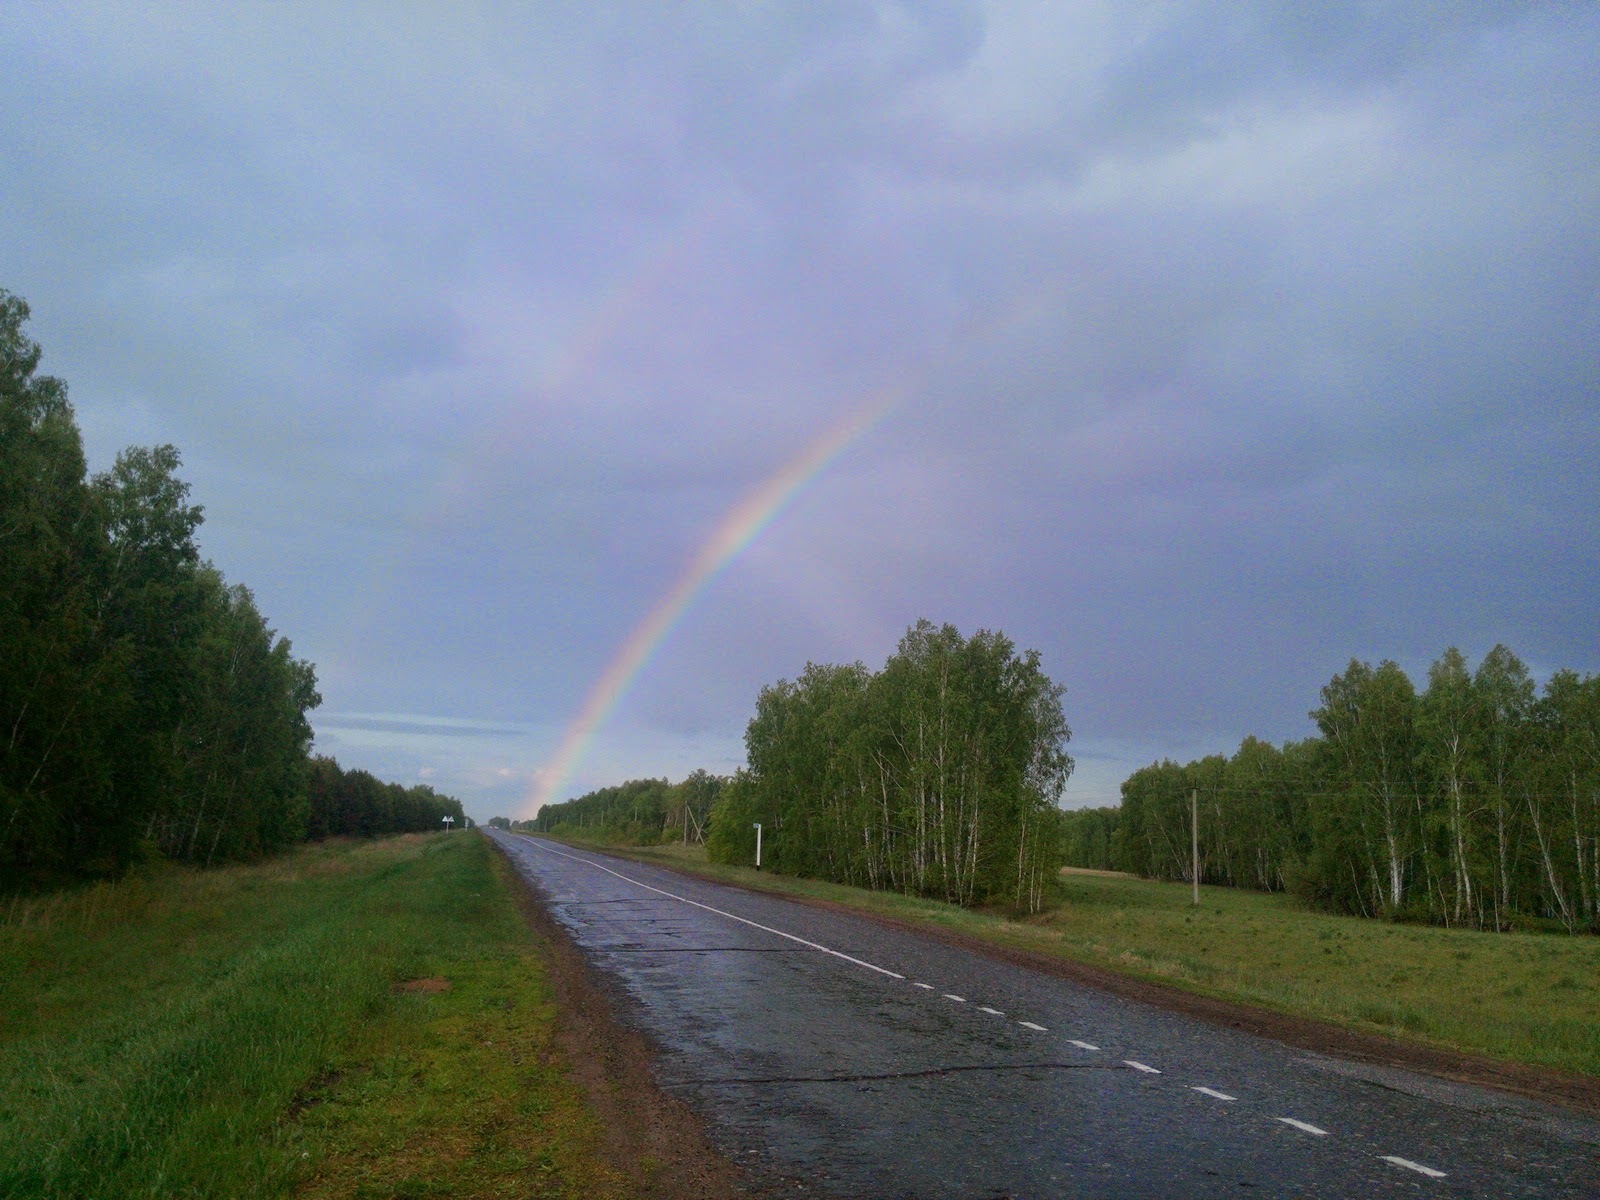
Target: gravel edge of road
(1567,1089)
(655,1139)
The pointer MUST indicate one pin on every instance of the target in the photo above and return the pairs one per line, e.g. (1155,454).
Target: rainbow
(741,526)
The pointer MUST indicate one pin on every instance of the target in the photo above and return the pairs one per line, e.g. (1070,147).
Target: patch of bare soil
(653,1138)
(430,986)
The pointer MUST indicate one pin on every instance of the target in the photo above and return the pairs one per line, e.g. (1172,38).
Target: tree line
(937,775)
(640,812)
(144,700)
(1473,801)
(357,803)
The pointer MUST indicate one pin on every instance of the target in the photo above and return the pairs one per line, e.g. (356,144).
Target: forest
(146,705)
(936,776)
(640,812)
(358,804)
(1474,801)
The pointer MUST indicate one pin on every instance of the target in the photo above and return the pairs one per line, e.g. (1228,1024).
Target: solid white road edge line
(780,933)
(1139,1066)
(1205,1091)
(1082,1045)
(1302,1125)
(1411,1166)
(742,920)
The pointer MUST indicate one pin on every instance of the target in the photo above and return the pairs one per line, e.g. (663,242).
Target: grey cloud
(1243,340)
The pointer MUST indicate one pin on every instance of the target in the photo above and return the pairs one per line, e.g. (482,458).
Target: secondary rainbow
(736,531)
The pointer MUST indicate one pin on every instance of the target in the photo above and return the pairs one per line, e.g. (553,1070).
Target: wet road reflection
(910,1068)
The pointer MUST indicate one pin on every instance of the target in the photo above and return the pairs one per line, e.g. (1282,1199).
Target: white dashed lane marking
(780,933)
(928,987)
(1412,1166)
(1303,1126)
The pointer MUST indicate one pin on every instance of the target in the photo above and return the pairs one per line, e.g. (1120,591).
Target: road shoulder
(1566,1089)
(655,1139)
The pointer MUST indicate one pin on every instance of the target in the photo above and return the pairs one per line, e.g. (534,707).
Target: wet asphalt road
(862,1061)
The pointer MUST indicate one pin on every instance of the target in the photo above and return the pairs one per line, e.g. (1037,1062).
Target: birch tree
(1504,695)
(1368,721)
(1447,721)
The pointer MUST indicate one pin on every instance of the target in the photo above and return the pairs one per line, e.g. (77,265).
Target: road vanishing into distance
(831,1055)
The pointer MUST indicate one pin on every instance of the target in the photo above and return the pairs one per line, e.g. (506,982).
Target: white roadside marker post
(758,845)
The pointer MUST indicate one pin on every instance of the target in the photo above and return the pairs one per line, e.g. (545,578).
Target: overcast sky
(1237,340)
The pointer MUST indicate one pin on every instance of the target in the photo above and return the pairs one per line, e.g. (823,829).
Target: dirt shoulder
(654,1139)
(1569,1089)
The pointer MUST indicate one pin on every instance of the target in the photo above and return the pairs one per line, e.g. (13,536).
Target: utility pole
(758,845)
(1194,839)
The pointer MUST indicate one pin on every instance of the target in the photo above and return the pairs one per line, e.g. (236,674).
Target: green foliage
(57,683)
(1089,838)
(145,704)
(1533,998)
(732,836)
(936,776)
(142,698)
(239,1032)
(632,813)
(689,806)
(640,812)
(358,804)
(1475,802)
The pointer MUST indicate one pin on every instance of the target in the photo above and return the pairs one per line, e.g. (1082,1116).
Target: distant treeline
(358,804)
(937,775)
(1475,801)
(143,700)
(641,812)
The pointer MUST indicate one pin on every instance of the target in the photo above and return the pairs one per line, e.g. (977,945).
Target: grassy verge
(1528,998)
(250,1032)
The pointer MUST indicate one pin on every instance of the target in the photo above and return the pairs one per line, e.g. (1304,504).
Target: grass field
(1530,998)
(354,1019)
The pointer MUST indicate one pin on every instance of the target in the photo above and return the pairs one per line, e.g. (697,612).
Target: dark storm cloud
(1243,340)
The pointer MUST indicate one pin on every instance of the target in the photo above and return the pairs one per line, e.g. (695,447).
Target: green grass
(1525,997)
(241,1032)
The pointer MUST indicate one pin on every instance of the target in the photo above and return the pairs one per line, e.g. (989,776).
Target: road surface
(831,1055)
